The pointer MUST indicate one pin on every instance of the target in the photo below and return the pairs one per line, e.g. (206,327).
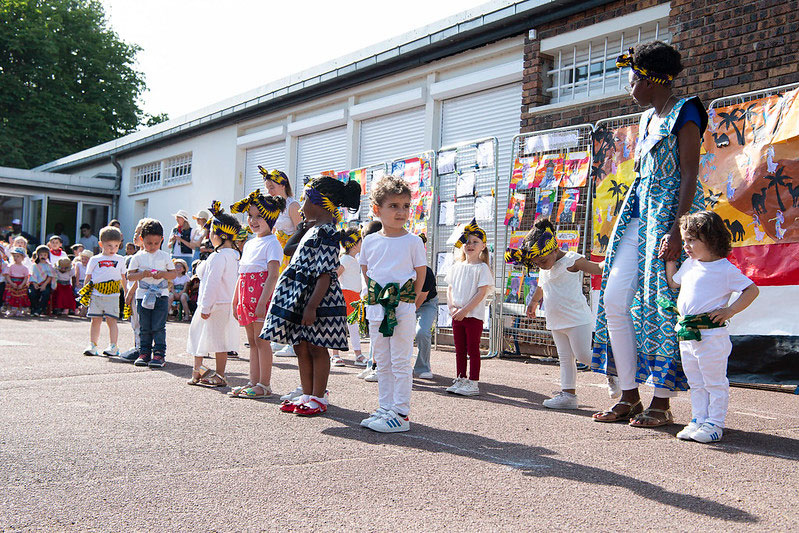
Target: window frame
(173,171)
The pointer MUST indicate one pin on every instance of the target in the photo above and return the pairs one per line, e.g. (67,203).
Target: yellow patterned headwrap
(626,60)
(266,206)
(351,240)
(214,225)
(545,244)
(317,198)
(471,229)
(519,257)
(275,175)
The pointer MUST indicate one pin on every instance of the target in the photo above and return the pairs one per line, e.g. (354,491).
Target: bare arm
(725,313)
(671,269)
(478,297)
(294,214)
(421,272)
(535,301)
(589,267)
(689,142)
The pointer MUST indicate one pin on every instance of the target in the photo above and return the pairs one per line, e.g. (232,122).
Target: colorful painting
(567,209)
(545,203)
(514,288)
(516,239)
(576,166)
(549,171)
(568,240)
(515,210)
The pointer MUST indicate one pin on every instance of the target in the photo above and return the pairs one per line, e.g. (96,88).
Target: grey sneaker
(456,384)
(468,388)
(563,400)
(371,418)
(425,375)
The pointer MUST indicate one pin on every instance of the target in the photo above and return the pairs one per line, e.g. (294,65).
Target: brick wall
(727,47)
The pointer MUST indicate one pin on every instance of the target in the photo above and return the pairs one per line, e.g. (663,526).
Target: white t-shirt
(257,253)
(391,260)
(80,273)
(707,285)
(217,276)
(566,306)
(464,280)
(350,279)
(89,242)
(179,282)
(106,268)
(54,259)
(144,261)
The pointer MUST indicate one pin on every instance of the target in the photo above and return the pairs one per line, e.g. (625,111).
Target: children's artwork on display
(561,140)
(549,171)
(359,175)
(516,239)
(567,209)
(485,154)
(444,318)
(420,210)
(530,286)
(484,208)
(426,179)
(446,162)
(529,166)
(575,169)
(465,184)
(514,288)
(351,216)
(446,214)
(398,169)
(444,261)
(343,176)
(456,234)
(544,203)
(568,240)
(378,173)
(515,210)
(412,173)
(517,176)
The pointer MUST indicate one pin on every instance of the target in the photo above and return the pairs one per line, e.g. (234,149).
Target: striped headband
(266,206)
(317,198)
(215,226)
(626,60)
(471,229)
(277,176)
(545,244)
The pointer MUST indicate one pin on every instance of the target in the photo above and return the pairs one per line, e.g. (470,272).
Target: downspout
(117,188)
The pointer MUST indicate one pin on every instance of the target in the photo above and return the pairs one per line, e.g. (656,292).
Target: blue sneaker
(130,356)
(143,360)
(157,361)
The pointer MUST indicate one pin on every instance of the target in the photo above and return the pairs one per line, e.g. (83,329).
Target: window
(588,69)
(173,171)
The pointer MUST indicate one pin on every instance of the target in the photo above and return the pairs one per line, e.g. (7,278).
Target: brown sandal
(198,375)
(214,379)
(646,420)
(634,410)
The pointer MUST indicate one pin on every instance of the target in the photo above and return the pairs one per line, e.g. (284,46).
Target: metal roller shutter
(270,156)
(391,136)
(317,152)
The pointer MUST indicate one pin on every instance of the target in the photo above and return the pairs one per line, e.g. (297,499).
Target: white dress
(220,331)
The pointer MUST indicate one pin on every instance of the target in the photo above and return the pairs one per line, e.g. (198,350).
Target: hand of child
(309,316)
(235,314)
(260,309)
(532,308)
(460,314)
(205,315)
(720,316)
(156,274)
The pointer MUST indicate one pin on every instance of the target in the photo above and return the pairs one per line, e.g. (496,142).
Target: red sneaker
(310,408)
(288,406)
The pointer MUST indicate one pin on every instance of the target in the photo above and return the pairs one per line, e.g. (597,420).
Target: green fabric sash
(389,297)
(689,325)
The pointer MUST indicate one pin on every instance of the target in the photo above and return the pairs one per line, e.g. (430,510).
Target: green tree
(67,80)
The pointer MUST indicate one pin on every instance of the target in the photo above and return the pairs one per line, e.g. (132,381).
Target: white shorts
(104,305)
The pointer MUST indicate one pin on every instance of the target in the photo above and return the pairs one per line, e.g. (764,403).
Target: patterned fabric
(689,325)
(251,286)
(16,296)
(389,297)
(470,229)
(659,179)
(316,254)
(283,238)
(41,271)
(63,297)
(626,60)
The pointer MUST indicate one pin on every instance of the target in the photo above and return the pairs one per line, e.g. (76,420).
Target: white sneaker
(390,422)
(275,346)
(708,432)
(374,416)
(456,384)
(286,351)
(293,395)
(562,400)
(371,377)
(336,360)
(425,375)
(687,433)
(91,350)
(111,351)
(363,373)
(614,390)
(468,388)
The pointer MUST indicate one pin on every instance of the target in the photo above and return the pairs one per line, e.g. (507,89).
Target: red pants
(467,333)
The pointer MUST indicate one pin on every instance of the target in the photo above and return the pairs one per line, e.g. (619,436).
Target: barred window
(147,177)
(588,69)
(167,172)
(177,169)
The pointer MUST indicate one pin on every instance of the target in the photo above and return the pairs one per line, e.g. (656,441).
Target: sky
(195,53)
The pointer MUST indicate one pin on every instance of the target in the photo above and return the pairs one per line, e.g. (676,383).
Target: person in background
(179,243)
(16,231)
(115,223)
(131,248)
(87,239)
(199,233)
(64,294)
(370,372)
(76,248)
(21,242)
(16,275)
(79,267)
(425,318)
(179,289)
(41,279)
(58,229)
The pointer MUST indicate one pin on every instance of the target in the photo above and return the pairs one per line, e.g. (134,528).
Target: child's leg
(355,338)
(699,395)
(94,332)
(424,316)
(305,366)
(184,301)
(579,338)
(381,350)
(145,329)
(264,356)
(459,337)
(568,368)
(158,325)
(198,362)
(320,359)
(255,362)
(401,356)
(113,330)
(474,332)
(715,350)
(221,363)
(134,325)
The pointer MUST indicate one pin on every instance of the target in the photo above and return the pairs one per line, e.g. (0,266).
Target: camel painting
(736,229)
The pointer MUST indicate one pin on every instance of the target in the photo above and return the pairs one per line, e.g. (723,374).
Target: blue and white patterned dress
(316,254)
(659,178)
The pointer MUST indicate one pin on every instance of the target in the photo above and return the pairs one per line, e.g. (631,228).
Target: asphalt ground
(91,443)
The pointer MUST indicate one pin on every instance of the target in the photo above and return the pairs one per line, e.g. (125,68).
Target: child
(370,372)
(192,292)
(54,245)
(64,295)
(258,272)
(132,354)
(707,281)
(76,248)
(349,273)
(79,275)
(307,309)
(469,281)
(393,263)
(213,329)
(152,268)
(568,317)
(42,275)
(179,288)
(105,279)
(131,249)
(16,276)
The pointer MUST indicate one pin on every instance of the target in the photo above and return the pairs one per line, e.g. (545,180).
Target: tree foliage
(67,81)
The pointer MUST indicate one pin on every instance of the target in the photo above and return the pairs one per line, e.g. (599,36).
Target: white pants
(393,357)
(134,324)
(619,293)
(572,343)
(705,365)
(355,336)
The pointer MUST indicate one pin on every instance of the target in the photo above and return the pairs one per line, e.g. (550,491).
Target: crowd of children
(337,283)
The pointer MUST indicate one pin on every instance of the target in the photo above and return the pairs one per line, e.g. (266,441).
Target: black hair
(85,226)
(537,230)
(228,220)
(658,57)
(150,226)
(373,226)
(709,228)
(346,232)
(342,195)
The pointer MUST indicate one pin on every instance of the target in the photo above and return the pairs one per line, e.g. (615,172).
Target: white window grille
(167,172)
(588,69)
(147,177)
(177,170)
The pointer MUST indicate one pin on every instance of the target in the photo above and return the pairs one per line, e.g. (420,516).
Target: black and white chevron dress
(316,254)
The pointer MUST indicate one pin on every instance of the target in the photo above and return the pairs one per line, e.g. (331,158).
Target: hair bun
(352,195)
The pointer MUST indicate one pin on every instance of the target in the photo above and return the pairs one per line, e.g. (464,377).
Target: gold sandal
(634,410)
(214,379)
(640,420)
(198,375)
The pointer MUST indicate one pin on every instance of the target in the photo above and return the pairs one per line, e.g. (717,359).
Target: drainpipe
(117,188)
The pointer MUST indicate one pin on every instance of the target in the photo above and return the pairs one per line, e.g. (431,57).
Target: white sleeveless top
(284,222)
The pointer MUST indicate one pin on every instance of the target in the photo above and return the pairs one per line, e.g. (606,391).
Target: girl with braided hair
(308,309)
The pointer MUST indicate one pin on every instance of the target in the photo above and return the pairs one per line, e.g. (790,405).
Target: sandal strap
(652,410)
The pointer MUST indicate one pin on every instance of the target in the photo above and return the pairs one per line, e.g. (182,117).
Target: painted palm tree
(617,190)
(731,119)
(777,180)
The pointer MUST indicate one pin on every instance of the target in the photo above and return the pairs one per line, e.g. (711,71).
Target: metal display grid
(486,182)
(514,326)
(753,95)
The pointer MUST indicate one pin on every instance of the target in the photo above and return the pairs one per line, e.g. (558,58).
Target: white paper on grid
(446,162)
(465,184)
(484,208)
(485,154)
(553,141)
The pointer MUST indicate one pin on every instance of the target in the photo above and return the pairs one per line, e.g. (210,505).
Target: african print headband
(266,206)
(545,244)
(626,60)
(351,240)
(471,229)
(519,257)
(215,226)
(317,198)
(275,175)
